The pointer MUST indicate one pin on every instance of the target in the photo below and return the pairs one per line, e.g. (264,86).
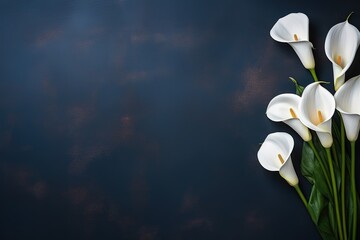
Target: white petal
(293,23)
(342,40)
(279,107)
(338,81)
(348,103)
(285,30)
(300,128)
(304,52)
(325,138)
(287,171)
(348,96)
(316,98)
(352,125)
(325,126)
(274,144)
(279,110)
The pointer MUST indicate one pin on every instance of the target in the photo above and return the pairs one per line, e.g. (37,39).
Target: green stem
(335,193)
(301,195)
(336,159)
(343,178)
(321,163)
(353,190)
(303,199)
(313,74)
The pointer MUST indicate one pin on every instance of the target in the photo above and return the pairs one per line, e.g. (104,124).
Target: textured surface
(142,119)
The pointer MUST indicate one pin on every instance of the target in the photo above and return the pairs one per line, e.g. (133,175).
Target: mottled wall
(141,119)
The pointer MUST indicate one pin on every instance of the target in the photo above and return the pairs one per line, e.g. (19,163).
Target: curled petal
(348,96)
(304,51)
(279,107)
(348,104)
(287,171)
(274,144)
(341,44)
(293,23)
(274,155)
(316,108)
(284,107)
(294,30)
(300,128)
(325,139)
(352,125)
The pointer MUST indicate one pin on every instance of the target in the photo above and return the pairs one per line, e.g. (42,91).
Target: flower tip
(293,79)
(347,19)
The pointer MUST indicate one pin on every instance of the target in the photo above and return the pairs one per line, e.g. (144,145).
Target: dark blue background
(141,119)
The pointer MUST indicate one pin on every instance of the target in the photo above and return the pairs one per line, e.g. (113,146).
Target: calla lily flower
(284,108)
(348,104)
(341,44)
(294,30)
(274,155)
(316,108)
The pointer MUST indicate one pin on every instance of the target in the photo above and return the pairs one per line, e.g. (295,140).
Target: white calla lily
(348,104)
(316,108)
(274,155)
(294,30)
(341,44)
(284,108)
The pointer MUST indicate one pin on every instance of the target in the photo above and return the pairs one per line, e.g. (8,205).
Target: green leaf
(307,164)
(332,218)
(312,171)
(320,205)
(322,214)
(299,89)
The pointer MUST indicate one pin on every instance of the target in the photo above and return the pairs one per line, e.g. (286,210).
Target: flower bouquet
(328,124)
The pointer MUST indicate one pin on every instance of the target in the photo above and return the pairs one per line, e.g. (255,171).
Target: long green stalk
(301,195)
(334,153)
(343,211)
(353,190)
(335,194)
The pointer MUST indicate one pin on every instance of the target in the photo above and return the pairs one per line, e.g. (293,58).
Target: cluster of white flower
(314,109)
